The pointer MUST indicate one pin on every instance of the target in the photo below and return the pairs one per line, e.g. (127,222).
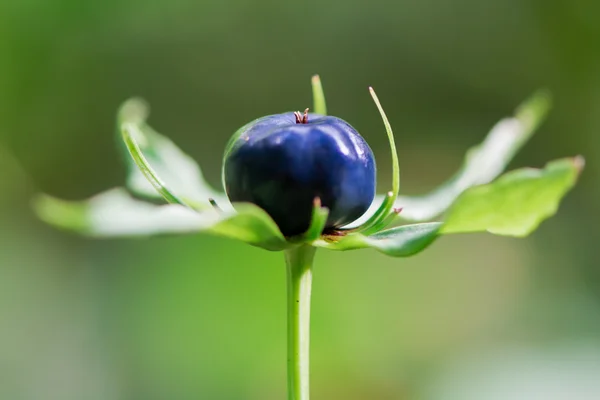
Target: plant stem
(299,279)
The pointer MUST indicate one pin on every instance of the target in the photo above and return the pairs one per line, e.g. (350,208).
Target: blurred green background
(196,317)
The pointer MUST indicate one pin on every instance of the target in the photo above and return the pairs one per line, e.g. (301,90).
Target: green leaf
(157,168)
(115,213)
(516,203)
(483,163)
(402,241)
(319,105)
(513,205)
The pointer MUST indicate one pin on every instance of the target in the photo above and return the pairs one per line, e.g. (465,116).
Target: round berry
(283,162)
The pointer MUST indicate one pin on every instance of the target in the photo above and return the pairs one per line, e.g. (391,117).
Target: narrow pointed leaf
(115,213)
(157,167)
(516,203)
(319,106)
(383,212)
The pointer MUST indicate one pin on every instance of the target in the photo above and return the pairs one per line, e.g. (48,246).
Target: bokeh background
(196,317)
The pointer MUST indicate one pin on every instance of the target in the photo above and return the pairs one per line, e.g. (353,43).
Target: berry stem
(299,280)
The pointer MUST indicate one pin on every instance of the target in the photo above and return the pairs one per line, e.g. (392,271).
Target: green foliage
(513,205)
(483,163)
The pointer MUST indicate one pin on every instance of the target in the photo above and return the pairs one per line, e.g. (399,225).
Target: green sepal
(317,223)
(367,227)
(382,215)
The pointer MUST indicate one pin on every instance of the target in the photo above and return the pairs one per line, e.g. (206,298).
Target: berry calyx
(301,118)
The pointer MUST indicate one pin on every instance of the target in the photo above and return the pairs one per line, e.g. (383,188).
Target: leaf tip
(318,205)
(59,213)
(579,163)
(319,103)
(535,108)
(42,204)
(134,110)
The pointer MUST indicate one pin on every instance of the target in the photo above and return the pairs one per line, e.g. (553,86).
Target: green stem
(299,279)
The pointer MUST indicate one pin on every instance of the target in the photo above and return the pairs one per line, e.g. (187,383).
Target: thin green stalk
(299,279)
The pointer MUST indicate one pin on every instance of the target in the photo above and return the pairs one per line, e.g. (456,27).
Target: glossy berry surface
(283,162)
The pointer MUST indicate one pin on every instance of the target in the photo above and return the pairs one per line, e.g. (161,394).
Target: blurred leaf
(516,203)
(157,168)
(115,213)
(482,164)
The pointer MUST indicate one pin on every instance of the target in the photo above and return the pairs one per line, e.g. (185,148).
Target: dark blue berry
(283,162)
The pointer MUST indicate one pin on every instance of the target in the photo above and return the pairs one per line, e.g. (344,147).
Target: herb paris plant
(319,178)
